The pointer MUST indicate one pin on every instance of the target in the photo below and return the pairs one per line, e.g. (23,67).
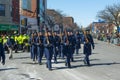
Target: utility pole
(38,14)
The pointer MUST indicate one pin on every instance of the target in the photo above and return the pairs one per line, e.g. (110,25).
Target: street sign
(56,27)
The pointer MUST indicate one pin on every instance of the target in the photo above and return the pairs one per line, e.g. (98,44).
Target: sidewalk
(112,42)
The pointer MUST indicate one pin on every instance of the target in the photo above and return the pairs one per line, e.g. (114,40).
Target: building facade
(32,14)
(68,22)
(63,22)
(15,11)
(5,12)
(7,17)
(102,27)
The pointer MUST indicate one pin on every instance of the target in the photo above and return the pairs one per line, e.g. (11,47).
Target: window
(26,4)
(2,9)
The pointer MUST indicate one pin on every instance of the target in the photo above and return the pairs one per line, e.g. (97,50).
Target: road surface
(105,65)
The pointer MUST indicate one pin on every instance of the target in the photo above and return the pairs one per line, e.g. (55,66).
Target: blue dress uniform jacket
(87,46)
(31,47)
(72,43)
(9,42)
(57,41)
(40,48)
(35,48)
(48,49)
(56,48)
(65,46)
(78,41)
(2,54)
(67,52)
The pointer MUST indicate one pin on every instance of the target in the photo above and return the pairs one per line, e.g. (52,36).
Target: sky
(83,11)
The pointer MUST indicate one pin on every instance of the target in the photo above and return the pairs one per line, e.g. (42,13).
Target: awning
(7,27)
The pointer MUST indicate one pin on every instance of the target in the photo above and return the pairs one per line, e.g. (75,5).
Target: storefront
(7,28)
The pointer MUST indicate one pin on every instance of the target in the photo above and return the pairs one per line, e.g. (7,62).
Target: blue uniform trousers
(87,52)
(40,53)
(61,51)
(71,52)
(86,59)
(68,60)
(67,53)
(56,52)
(2,54)
(34,53)
(31,51)
(2,58)
(48,56)
(77,50)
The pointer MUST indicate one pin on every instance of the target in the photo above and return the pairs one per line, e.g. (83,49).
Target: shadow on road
(76,66)
(95,53)
(82,60)
(21,57)
(72,67)
(100,64)
(8,69)
(29,63)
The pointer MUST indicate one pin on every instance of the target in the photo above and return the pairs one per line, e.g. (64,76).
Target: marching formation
(49,44)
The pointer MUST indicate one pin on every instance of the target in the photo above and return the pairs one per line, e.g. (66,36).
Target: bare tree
(61,13)
(111,14)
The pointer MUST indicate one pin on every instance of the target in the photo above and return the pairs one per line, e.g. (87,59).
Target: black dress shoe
(69,66)
(50,69)
(40,63)
(65,64)
(84,62)
(3,63)
(88,65)
(73,61)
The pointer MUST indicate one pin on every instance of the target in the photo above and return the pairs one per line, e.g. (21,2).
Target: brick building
(32,13)
(67,22)
(15,11)
(102,27)
(30,9)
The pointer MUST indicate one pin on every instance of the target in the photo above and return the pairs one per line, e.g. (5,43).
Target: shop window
(2,9)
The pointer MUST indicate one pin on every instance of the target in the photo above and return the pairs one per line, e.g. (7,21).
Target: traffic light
(24,22)
(25,19)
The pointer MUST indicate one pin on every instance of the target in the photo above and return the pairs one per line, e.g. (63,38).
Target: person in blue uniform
(72,43)
(61,45)
(66,50)
(78,42)
(2,53)
(48,49)
(57,41)
(35,47)
(87,47)
(9,45)
(31,42)
(40,46)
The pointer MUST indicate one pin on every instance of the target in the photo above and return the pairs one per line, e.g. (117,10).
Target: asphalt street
(105,65)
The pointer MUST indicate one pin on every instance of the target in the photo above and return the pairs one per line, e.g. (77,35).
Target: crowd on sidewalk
(113,38)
